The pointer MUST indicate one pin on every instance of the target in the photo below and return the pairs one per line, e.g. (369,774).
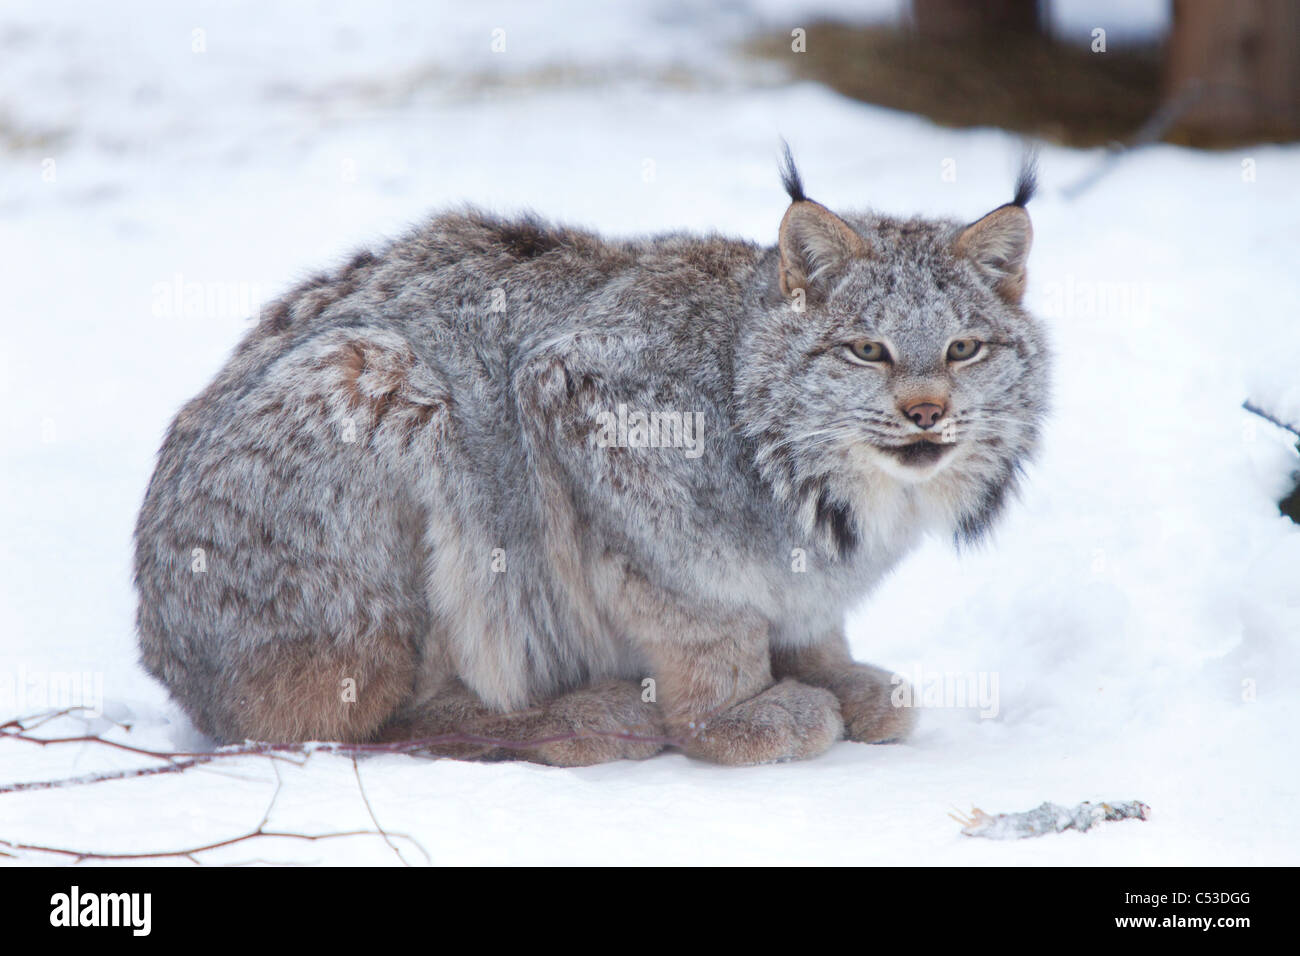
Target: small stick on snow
(1048,818)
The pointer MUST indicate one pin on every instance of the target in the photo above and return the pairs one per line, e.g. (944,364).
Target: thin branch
(1165,118)
(1159,123)
(192,852)
(356,770)
(1254,409)
(175,767)
(21,723)
(21,728)
(275,795)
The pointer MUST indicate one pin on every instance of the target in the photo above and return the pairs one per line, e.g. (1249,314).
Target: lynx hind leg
(607,721)
(298,618)
(308,690)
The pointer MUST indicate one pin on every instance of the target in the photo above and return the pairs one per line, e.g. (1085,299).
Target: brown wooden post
(958,19)
(1238,63)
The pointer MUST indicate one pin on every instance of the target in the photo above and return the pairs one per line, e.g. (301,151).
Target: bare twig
(356,770)
(1165,118)
(1159,123)
(1254,409)
(28,786)
(190,853)
(21,729)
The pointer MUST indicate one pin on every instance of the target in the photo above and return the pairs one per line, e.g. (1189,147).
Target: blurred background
(1209,73)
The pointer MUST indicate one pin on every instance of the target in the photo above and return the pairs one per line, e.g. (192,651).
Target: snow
(1139,609)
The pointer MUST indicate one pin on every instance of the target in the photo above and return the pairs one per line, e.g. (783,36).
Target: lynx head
(890,354)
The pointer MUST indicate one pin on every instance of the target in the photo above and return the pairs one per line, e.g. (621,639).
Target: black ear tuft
(790,177)
(1027,181)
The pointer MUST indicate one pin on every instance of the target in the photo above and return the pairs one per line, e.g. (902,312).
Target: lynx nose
(925,414)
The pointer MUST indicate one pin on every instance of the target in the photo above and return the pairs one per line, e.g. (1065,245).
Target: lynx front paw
(788,721)
(602,723)
(866,696)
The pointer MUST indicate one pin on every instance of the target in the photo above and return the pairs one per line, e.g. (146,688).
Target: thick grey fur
(387,459)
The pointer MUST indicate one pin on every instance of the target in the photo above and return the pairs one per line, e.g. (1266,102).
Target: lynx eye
(963,349)
(865,351)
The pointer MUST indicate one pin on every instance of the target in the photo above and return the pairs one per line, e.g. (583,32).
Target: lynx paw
(788,721)
(599,724)
(866,700)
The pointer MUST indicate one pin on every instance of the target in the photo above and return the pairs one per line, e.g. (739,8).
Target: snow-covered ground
(1139,610)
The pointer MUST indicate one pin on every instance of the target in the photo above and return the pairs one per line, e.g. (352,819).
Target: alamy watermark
(130,910)
(24,692)
(183,298)
(657,429)
(970,690)
(1087,298)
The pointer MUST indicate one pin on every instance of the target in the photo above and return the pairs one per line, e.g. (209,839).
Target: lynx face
(899,350)
(925,364)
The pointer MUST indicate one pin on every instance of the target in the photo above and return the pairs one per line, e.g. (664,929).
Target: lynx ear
(999,245)
(814,243)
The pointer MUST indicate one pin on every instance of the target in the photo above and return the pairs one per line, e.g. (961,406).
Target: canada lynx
(584,497)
